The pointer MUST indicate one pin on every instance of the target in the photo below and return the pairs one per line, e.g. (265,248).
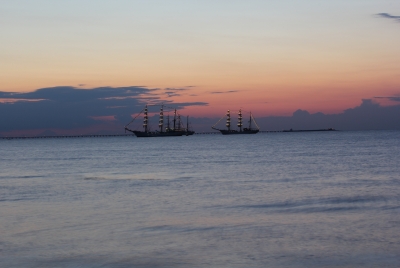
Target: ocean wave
(22,177)
(139,177)
(329,204)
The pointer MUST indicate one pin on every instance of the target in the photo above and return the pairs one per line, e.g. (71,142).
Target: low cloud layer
(368,116)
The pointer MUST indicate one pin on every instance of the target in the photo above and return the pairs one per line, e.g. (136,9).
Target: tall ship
(163,131)
(251,129)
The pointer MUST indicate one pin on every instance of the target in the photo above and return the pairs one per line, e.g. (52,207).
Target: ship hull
(233,132)
(142,134)
(189,132)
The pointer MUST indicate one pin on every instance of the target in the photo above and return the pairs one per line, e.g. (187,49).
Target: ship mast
(179,123)
(161,121)
(228,120)
(145,119)
(240,120)
(250,122)
(175,119)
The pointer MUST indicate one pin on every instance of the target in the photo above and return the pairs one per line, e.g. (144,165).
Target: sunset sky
(271,57)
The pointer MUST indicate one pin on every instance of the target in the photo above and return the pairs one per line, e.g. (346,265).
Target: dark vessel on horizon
(308,130)
(177,129)
(229,131)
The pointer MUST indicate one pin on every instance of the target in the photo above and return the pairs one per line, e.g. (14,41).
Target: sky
(270,57)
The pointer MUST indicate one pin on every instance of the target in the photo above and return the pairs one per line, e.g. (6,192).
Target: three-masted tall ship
(168,131)
(241,130)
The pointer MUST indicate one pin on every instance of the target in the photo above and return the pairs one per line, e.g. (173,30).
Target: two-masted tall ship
(241,130)
(175,130)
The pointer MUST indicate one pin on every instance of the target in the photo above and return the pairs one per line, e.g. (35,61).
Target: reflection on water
(266,200)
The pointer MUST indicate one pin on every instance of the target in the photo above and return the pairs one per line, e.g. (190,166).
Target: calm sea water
(328,199)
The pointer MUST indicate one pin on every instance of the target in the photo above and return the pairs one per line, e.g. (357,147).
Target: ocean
(315,199)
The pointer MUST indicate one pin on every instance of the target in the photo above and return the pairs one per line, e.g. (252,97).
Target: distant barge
(309,130)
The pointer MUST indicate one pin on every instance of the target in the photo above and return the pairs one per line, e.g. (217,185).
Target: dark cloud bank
(368,116)
(106,110)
